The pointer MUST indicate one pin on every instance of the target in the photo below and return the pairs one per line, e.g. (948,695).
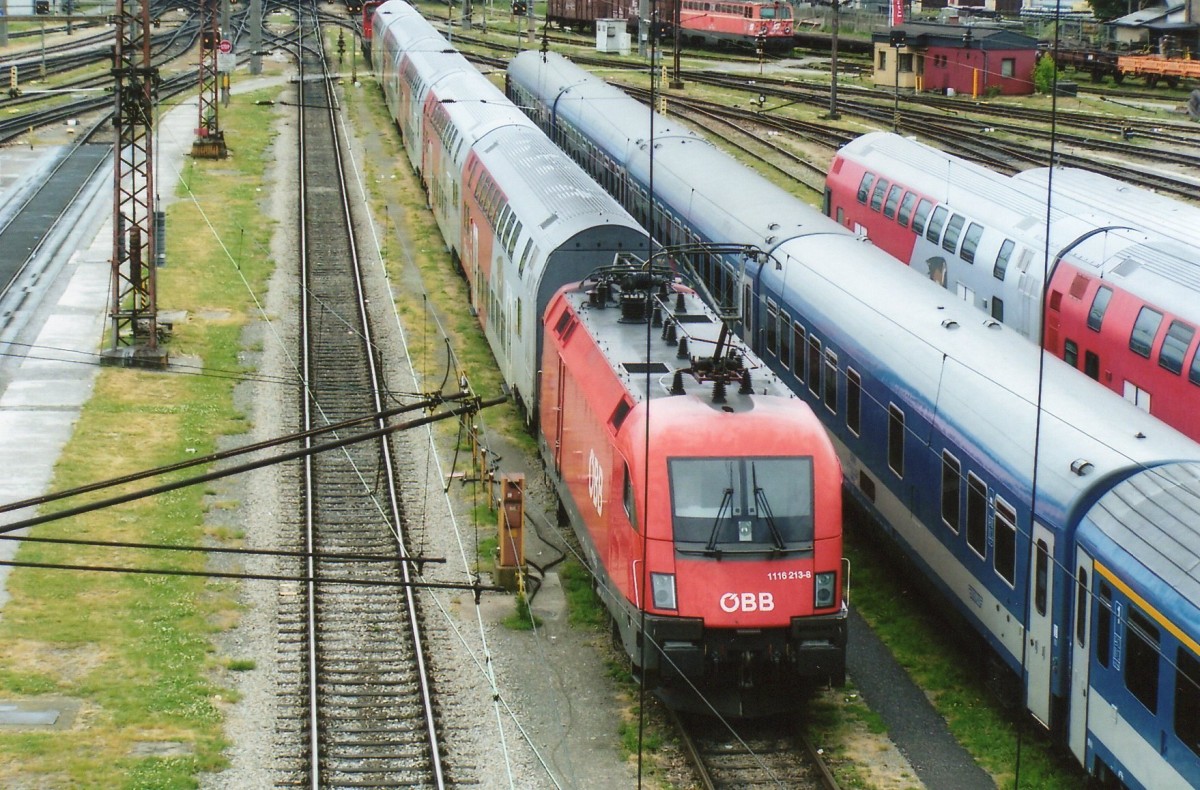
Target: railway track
(771,752)
(361,709)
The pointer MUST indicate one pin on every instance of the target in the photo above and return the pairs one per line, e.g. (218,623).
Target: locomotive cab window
(754,504)
(627,498)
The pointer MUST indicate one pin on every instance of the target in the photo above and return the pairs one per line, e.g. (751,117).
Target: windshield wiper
(726,501)
(760,498)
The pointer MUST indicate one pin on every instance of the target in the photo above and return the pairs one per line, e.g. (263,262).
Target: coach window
(998,309)
(951,490)
(906,207)
(864,187)
(1041,571)
(771,328)
(877,195)
(1104,626)
(1144,329)
(1005,558)
(853,401)
(934,231)
(1091,364)
(971,242)
(1081,599)
(1175,345)
(814,365)
(798,351)
(1194,370)
(1099,305)
(1187,698)
(953,229)
(893,198)
(920,215)
(785,339)
(1071,353)
(896,440)
(831,379)
(977,514)
(1141,664)
(1000,267)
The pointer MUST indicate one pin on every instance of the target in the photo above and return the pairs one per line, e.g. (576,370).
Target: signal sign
(225,47)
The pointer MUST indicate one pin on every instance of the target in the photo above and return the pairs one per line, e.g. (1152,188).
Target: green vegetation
(1045,74)
(135,650)
(952,665)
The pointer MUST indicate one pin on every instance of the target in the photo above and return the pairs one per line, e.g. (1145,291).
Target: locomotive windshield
(723,505)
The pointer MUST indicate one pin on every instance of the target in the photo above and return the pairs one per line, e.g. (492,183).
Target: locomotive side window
(1001,267)
(864,187)
(627,499)
(906,207)
(798,347)
(1187,698)
(1141,661)
(1005,558)
(877,196)
(853,401)
(1144,329)
(971,242)
(1081,599)
(1104,615)
(1175,345)
(772,328)
(814,365)
(785,339)
(934,231)
(896,440)
(920,215)
(977,515)
(951,490)
(893,198)
(1099,305)
(831,379)
(953,229)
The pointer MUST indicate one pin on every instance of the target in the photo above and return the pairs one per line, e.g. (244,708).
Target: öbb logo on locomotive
(747,602)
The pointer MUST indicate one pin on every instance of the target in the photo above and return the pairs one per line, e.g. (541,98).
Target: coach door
(1081,639)
(1038,646)
(748,316)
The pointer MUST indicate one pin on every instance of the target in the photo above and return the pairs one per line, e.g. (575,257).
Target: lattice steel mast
(133,308)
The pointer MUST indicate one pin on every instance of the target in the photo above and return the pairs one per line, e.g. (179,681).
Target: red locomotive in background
(765,24)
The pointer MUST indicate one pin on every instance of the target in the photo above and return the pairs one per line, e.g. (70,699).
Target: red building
(976,61)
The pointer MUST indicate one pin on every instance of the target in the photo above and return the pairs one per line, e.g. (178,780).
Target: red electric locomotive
(707,497)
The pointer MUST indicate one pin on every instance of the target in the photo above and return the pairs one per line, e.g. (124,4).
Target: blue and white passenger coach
(1060,520)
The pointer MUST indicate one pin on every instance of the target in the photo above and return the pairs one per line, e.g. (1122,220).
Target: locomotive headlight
(825,589)
(662,587)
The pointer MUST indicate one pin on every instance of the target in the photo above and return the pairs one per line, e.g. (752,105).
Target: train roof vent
(1082,467)
(1127,267)
(950,323)
(991,323)
(642,368)
(549,221)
